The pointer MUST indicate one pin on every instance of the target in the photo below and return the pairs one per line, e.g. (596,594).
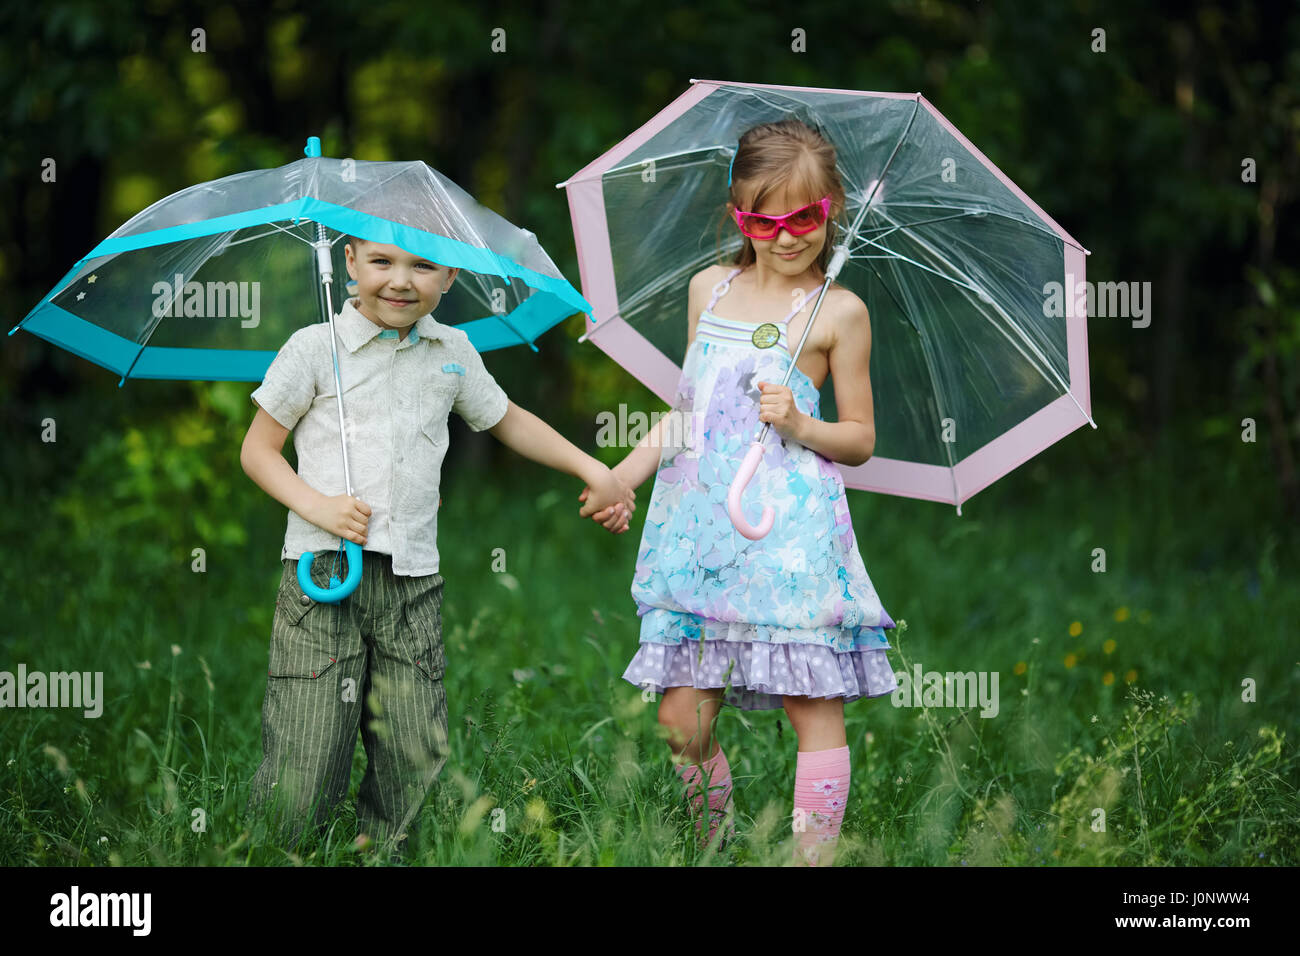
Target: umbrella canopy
(209,282)
(973,369)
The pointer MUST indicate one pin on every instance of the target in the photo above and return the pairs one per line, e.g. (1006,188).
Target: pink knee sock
(716,775)
(821,789)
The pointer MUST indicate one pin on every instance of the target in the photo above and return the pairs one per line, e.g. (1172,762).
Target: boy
(380,647)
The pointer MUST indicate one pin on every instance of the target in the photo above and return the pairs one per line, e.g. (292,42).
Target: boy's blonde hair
(785,153)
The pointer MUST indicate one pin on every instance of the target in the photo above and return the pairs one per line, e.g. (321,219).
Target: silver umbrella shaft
(837,261)
(325,268)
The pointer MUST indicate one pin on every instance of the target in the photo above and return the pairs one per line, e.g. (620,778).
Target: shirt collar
(355,330)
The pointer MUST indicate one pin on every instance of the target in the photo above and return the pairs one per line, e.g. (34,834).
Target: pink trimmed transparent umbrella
(979,345)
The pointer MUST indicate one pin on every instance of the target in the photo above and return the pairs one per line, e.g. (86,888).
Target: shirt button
(304,600)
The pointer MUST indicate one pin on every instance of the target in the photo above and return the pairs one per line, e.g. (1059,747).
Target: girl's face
(786,254)
(395,288)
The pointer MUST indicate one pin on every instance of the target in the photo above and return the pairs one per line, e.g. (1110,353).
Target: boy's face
(396,288)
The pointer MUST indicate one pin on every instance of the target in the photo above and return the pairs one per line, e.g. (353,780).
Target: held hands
(777,406)
(609,502)
(344,516)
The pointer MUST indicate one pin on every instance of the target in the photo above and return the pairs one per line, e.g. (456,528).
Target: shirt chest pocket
(437,397)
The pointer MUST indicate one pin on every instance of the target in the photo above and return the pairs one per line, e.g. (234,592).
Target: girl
(791,619)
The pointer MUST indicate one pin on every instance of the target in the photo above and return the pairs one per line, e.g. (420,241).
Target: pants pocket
(423,615)
(304,635)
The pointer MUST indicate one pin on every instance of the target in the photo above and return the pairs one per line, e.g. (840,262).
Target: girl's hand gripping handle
(738,485)
(336,591)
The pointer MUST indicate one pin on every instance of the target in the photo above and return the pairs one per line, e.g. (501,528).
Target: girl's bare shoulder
(709,276)
(845,315)
(701,287)
(845,305)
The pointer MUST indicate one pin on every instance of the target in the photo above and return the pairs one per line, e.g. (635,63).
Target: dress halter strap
(724,286)
(802,302)
(721,288)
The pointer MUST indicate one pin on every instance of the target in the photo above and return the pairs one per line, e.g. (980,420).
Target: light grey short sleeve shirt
(396,398)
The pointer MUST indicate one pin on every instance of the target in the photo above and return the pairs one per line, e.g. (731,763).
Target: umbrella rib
(887,230)
(980,292)
(450,205)
(153,327)
(371,187)
(880,181)
(1033,224)
(934,379)
(511,326)
(652,290)
(855,234)
(262,235)
(1065,389)
(629,166)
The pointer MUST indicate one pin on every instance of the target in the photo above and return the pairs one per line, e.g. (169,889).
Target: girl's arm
(852,439)
(643,460)
(531,437)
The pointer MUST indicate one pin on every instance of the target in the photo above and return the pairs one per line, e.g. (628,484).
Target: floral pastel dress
(792,613)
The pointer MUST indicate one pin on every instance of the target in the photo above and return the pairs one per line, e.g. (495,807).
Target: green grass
(1195,598)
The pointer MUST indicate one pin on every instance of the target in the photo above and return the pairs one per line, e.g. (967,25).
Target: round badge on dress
(766,335)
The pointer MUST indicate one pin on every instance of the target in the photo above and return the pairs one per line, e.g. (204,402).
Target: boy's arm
(262,461)
(531,437)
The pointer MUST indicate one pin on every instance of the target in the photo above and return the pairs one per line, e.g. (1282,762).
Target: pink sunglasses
(802,220)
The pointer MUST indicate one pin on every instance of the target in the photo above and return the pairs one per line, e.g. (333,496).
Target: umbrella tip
(313,147)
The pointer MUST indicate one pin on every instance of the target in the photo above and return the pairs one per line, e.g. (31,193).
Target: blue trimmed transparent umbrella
(178,291)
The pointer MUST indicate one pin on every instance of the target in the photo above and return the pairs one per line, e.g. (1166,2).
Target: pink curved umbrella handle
(738,484)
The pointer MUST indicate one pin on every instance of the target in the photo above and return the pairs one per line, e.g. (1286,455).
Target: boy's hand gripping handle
(738,484)
(337,590)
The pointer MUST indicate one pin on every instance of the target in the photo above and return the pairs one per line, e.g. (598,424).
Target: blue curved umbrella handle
(337,590)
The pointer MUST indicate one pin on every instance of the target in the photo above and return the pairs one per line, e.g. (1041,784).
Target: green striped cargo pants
(373,661)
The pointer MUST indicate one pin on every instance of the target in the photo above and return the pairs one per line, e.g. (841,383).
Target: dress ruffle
(661,625)
(758,675)
(759,664)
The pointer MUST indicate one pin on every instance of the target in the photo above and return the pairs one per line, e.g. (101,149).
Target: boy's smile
(394,288)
